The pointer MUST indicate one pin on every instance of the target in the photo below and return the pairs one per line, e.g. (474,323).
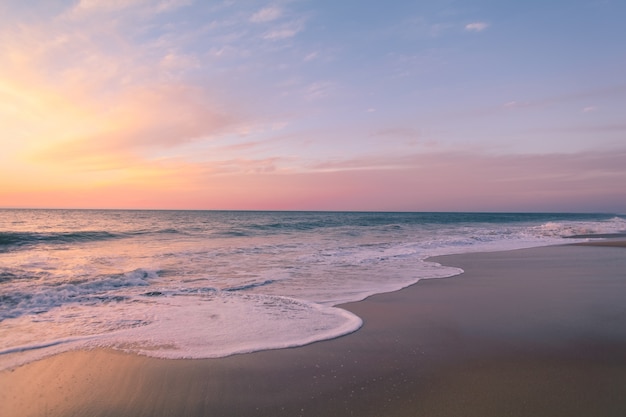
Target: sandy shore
(607,242)
(537,332)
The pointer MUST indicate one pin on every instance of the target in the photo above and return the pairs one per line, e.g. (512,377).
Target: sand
(536,332)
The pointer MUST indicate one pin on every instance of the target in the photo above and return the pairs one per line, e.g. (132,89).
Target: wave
(610,227)
(155,232)
(33,238)
(19,239)
(98,290)
(285,223)
(250,286)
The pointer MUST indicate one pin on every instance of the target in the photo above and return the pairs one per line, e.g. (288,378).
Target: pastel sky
(469,105)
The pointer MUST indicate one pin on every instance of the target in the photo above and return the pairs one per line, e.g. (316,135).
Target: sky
(472,105)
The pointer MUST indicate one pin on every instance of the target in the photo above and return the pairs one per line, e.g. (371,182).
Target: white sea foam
(226,323)
(36,297)
(185,326)
(567,229)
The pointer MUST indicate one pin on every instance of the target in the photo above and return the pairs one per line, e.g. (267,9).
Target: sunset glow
(415,106)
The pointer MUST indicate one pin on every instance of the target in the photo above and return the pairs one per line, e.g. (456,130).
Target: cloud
(244,166)
(318,90)
(167,5)
(311,56)
(92,7)
(437,29)
(582,129)
(285,31)
(174,63)
(401,132)
(442,181)
(599,93)
(608,92)
(476,26)
(140,122)
(153,106)
(516,104)
(509,167)
(475,181)
(267,14)
(77,100)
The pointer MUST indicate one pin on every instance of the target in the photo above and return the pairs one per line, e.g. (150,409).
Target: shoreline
(522,332)
(613,243)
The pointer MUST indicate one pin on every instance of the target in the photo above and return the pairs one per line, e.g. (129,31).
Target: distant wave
(17,239)
(30,238)
(231,233)
(303,221)
(154,232)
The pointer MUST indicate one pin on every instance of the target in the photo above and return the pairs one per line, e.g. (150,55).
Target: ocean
(205,284)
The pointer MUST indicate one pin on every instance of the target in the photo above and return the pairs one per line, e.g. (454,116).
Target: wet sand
(607,242)
(536,332)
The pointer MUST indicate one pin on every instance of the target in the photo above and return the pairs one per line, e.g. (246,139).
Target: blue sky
(314,104)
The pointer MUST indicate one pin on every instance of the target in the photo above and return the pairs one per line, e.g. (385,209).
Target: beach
(526,332)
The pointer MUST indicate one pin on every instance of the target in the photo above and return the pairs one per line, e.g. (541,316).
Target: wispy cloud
(476,26)
(91,7)
(136,93)
(401,132)
(582,129)
(474,181)
(99,5)
(174,63)
(613,91)
(516,104)
(266,14)
(318,90)
(311,56)
(142,124)
(86,100)
(167,5)
(284,31)
(245,166)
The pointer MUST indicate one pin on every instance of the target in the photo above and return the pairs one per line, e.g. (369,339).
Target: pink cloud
(476,26)
(460,181)
(439,181)
(436,181)
(267,14)
(140,121)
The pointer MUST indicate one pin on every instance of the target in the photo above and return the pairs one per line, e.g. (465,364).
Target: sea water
(203,284)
